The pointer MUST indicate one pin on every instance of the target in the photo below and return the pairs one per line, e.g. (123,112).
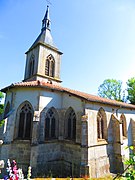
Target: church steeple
(45,35)
(43,58)
(46,21)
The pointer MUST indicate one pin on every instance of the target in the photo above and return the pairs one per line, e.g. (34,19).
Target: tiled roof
(85,96)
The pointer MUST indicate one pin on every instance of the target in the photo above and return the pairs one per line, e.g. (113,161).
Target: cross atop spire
(46,21)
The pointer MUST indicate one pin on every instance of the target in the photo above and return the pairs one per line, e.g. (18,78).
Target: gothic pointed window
(31,66)
(50,66)
(51,124)
(70,125)
(25,122)
(124,125)
(101,124)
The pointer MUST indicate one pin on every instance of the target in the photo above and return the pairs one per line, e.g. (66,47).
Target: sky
(97,38)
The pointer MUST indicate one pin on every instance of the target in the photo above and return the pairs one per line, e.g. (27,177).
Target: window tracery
(70,124)
(25,122)
(51,124)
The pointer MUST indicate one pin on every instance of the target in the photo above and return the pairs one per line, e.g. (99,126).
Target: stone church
(60,131)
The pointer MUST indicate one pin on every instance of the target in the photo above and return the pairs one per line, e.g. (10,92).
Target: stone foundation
(18,151)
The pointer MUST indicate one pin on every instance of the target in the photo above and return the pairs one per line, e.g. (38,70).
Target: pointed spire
(46,21)
(45,35)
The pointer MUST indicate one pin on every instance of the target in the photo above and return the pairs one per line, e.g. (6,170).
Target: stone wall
(71,154)
(55,158)
(18,151)
(98,161)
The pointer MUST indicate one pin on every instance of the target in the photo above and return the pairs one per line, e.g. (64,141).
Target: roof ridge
(84,95)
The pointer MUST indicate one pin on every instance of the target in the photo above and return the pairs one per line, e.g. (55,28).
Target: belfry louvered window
(25,122)
(50,66)
(47,67)
(31,66)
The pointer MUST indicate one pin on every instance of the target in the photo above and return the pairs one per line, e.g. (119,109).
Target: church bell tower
(43,58)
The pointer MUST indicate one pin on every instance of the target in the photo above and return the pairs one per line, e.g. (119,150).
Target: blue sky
(97,38)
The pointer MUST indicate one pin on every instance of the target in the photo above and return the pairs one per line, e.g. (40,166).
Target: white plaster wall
(8,98)
(71,101)
(23,94)
(50,99)
(38,98)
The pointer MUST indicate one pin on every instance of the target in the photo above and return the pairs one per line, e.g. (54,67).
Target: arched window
(50,66)
(51,124)
(124,125)
(70,126)
(101,124)
(25,121)
(31,66)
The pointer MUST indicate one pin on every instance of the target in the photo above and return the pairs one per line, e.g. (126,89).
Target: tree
(111,89)
(1,95)
(131,90)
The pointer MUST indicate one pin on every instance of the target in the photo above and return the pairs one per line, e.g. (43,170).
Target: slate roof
(45,36)
(85,96)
